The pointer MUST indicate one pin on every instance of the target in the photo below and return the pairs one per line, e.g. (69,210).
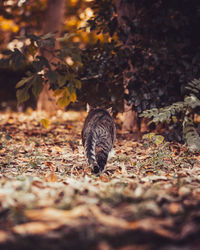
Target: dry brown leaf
(174,208)
(104,178)
(123,169)
(118,151)
(56,149)
(53,214)
(148,224)
(184,191)
(50,165)
(35,228)
(108,219)
(3,236)
(73,146)
(38,184)
(196,194)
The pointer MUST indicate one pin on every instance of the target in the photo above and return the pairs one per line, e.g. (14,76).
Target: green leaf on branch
(23,81)
(37,85)
(70,77)
(16,59)
(51,75)
(22,95)
(71,88)
(48,36)
(62,80)
(43,61)
(78,83)
(66,37)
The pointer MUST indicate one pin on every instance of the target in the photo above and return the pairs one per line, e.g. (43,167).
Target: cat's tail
(90,153)
(101,158)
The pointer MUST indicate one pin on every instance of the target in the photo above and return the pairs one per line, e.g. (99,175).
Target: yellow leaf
(29,111)
(63,91)
(63,101)
(15,28)
(58,92)
(158,139)
(2,150)
(73,97)
(148,136)
(45,122)
(66,91)
(174,118)
(10,121)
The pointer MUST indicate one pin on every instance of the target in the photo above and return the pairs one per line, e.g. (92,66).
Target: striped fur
(98,137)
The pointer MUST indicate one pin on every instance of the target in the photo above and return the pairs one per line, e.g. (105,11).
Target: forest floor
(147,198)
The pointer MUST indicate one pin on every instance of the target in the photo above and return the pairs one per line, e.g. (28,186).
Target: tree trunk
(52,23)
(126,11)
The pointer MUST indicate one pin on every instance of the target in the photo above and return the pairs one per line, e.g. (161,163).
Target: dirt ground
(148,197)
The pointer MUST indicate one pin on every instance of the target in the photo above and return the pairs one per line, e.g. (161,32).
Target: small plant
(184,109)
(158,155)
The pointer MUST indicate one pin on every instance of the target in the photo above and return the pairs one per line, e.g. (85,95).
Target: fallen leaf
(45,123)
(35,228)
(104,178)
(174,208)
(3,236)
(53,214)
(53,177)
(50,165)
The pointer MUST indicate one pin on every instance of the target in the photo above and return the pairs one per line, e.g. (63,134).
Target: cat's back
(98,116)
(98,119)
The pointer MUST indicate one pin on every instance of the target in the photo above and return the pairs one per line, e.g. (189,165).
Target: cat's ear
(109,110)
(88,107)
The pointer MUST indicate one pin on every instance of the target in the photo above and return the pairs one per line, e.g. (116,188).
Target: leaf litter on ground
(149,188)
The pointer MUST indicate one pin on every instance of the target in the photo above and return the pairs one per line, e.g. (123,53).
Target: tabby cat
(98,137)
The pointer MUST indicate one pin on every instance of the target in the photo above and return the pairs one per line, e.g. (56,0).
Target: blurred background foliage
(19,19)
(25,17)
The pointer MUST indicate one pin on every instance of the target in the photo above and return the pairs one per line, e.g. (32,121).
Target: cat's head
(90,108)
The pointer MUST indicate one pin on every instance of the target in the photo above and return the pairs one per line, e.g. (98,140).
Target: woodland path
(148,197)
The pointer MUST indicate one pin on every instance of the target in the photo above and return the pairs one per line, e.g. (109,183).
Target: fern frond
(190,134)
(192,101)
(194,87)
(164,114)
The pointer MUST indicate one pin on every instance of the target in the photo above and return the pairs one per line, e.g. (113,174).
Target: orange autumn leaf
(53,177)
